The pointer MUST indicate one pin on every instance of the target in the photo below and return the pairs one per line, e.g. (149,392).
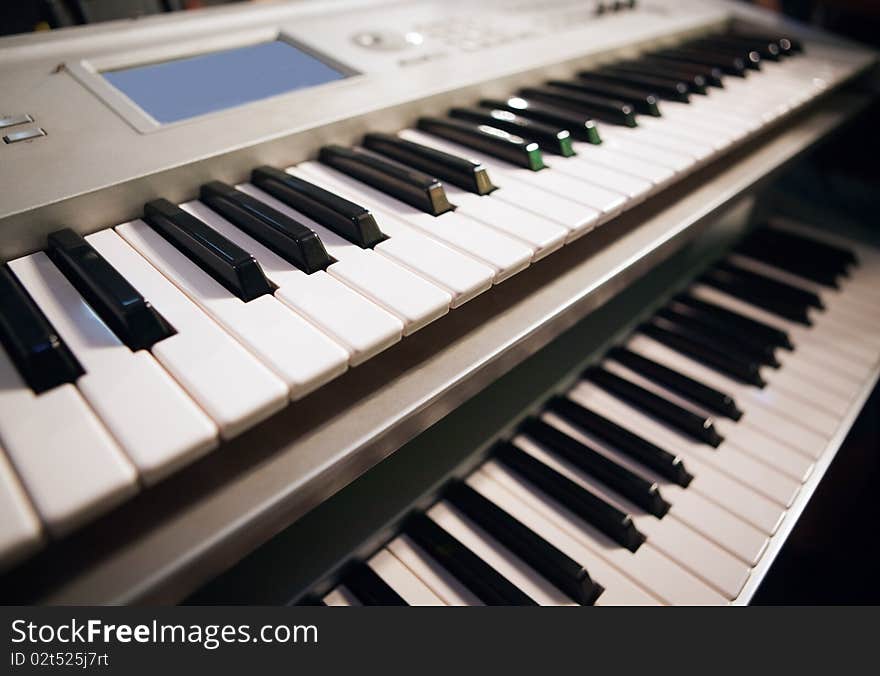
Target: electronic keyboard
(235,221)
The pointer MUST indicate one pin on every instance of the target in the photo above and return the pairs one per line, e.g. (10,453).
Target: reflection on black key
(663,462)
(557,567)
(667,88)
(696,83)
(496,142)
(551,139)
(730,65)
(290,239)
(128,314)
(692,424)
(682,341)
(347,219)
(33,345)
(223,259)
(766,49)
(738,322)
(708,397)
(581,127)
(414,187)
(749,347)
(465,173)
(751,57)
(644,101)
(369,588)
(485,582)
(789,292)
(637,489)
(756,294)
(609,110)
(712,75)
(616,524)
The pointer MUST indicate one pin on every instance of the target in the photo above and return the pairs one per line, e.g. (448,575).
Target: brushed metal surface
(172,538)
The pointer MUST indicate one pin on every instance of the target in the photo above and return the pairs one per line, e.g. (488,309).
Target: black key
(602,108)
(347,219)
(662,462)
(751,293)
(758,346)
(826,275)
(730,65)
(485,582)
(744,345)
(834,260)
(643,100)
(289,238)
(779,289)
(414,187)
(496,142)
(128,314)
(369,588)
(787,46)
(674,90)
(551,139)
(310,600)
(738,322)
(221,258)
(712,399)
(751,57)
(32,343)
(683,341)
(581,127)
(713,76)
(465,173)
(615,523)
(696,83)
(637,489)
(692,424)
(766,49)
(557,567)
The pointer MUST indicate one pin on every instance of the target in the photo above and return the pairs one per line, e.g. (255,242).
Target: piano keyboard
(150,342)
(661,476)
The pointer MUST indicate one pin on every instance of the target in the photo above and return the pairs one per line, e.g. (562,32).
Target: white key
(153,420)
(729,460)
(688,505)
(20,530)
(652,570)
(617,140)
(657,174)
(341,596)
(412,299)
(402,580)
(703,558)
(69,464)
(494,554)
(264,325)
(505,255)
(358,324)
(619,590)
(431,573)
(542,235)
(582,167)
(576,218)
(227,381)
(463,276)
(688,152)
(608,202)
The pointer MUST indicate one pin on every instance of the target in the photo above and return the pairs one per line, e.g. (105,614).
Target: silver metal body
(102,158)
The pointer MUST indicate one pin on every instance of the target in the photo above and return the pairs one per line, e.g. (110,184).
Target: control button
(387,40)
(13,120)
(24,135)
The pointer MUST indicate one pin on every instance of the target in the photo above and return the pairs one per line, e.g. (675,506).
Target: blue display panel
(176,90)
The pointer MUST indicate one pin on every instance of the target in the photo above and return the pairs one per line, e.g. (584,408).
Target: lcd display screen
(176,90)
